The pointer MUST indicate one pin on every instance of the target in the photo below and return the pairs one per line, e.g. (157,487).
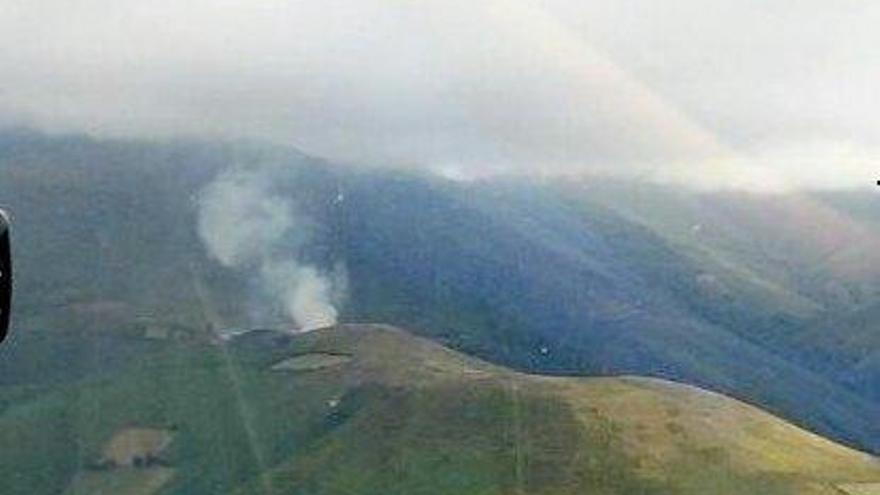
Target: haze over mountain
(737,292)
(700,93)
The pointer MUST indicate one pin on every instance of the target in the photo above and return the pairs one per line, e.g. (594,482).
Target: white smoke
(244,224)
(305,293)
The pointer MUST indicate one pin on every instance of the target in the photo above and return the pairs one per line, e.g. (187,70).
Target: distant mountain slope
(732,292)
(373,409)
(542,281)
(817,248)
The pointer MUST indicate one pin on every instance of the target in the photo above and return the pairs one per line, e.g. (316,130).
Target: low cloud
(700,92)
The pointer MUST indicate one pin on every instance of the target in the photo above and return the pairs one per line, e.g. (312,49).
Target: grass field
(402,415)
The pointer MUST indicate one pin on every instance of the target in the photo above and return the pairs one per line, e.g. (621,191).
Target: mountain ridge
(655,424)
(608,277)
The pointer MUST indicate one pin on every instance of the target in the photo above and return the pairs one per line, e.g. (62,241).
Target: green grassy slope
(718,290)
(405,415)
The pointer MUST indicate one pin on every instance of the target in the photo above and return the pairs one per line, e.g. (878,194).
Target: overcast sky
(752,93)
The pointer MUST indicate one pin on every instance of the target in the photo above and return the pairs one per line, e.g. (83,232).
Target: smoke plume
(247,225)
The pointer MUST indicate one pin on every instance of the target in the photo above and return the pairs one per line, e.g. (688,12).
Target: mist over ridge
(730,96)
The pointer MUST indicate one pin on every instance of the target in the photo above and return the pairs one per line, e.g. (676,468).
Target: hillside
(372,409)
(735,293)
(614,435)
(504,270)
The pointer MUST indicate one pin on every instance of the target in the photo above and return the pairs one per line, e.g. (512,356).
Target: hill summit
(412,416)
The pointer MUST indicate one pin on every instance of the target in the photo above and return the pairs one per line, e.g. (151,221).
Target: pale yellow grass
(657,419)
(126,481)
(860,488)
(134,441)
